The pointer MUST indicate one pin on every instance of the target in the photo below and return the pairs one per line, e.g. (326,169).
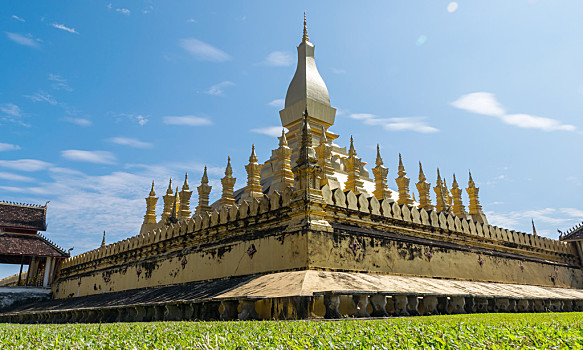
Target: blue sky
(99,98)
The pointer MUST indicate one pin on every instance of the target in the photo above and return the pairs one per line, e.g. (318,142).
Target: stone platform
(301,294)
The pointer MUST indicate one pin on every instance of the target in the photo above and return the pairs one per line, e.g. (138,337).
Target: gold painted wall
(343,232)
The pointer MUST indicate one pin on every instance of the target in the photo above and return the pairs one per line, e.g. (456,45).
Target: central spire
(306,90)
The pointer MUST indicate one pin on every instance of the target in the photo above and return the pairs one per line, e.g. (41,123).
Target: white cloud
(218,89)
(533,122)
(268,130)
(78,121)
(452,7)
(481,103)
(188,120)
(416,124)
(140,119)
(65,28)
(22,40)
(485,103)
(11,109)
(123,11)
(112,202)
(203,51)
(15,177)
(191,20)
(42,96)
(99,157)
(18,18)
(25,164)
(278,103)
(338,70)
(8,147)
(127,141)
(59,83)
(279,59)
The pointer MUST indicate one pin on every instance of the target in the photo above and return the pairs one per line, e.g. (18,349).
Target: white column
(52,274)
(47,272)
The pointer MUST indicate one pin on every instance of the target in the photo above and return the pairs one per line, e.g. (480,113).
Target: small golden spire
(401,166)
(173,215)
(168,200)
(440,194)
(205,178)
(380,178)
(403,185)
(228,182)
(379,160)
(421,173)
(103,240)
(282,176)
(424,190)
(305,37)
(253,157)
(283,139)
(351,151)
(353,164)
(203,194)
(150,217)
(456,195)
(533,228)
(185,185)
(253,188)
(185,194)
(475,209)
(323,138)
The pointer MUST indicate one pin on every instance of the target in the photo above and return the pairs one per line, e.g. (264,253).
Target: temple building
(312,233)
(22,244)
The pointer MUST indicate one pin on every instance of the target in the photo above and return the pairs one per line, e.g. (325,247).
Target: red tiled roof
(23,216)
(28,245)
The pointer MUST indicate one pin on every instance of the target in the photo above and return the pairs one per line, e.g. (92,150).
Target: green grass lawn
(497,331)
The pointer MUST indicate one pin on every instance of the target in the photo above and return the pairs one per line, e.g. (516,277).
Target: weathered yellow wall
(390,239)
(273,253)
(384,255)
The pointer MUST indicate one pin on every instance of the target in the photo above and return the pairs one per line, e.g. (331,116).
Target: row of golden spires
(318,172)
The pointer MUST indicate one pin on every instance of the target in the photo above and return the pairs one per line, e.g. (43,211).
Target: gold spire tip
(305,36)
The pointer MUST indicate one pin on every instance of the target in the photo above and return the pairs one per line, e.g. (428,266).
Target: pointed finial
(205,178)
(174,205)
(185,185)
(229,169)
(379,160)
(351,151)
(438,181)
(169,190)
(305,37)
(454,184)
(323,138)
(253,157)
(283,139)
(103,240)
(533,228)
(421,174)
(401,167)
(152,193)
(471,182)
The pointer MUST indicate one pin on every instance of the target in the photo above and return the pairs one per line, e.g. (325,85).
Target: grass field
(494,331)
